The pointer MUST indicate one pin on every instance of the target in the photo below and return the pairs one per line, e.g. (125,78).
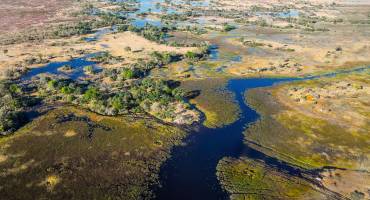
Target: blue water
(288,14)
(191,171)
(236,58)
(203,3)
(141,22)
(153,6)
(146,6)
(52,68)
(214,53)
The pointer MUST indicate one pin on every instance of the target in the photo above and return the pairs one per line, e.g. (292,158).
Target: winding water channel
(191,171)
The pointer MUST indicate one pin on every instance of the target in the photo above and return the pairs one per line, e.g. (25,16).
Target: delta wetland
(204,99)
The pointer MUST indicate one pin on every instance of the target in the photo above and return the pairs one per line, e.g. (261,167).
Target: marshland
(185,99)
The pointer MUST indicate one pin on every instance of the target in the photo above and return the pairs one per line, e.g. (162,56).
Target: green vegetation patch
(13,104)
(73,154)
(214,100)
(250,179)
(305,140)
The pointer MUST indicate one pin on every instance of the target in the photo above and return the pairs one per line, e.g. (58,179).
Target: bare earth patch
(350,183)
(70,133)
(20,14)
(3,158)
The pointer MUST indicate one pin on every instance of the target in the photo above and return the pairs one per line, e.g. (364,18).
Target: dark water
(191,172)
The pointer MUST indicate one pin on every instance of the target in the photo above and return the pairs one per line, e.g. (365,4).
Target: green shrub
(228,27)
(66,90)
(52,84)
(67,30)
(89,69)
(91,94)
(11,107)
(128,74)
(190,55)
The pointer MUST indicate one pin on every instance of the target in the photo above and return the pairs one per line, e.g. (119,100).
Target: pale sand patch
(70,133)
(50,182)
(45,133)
(247,4)
(140,47)
(3,158)
(346,182)
(54,50)
(312,57)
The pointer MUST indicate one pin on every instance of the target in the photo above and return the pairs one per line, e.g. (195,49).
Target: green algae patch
(214,100)
(74,154)
(252,179)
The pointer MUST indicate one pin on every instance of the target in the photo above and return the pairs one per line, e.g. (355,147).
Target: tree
(66,90)
(128,74)
(190,55)
(15,89)
(89,69)
(91,94)
(228,27)
(11,106)
(52,84)
(117,103)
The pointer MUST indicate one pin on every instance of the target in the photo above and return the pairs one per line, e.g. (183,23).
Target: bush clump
(12,107)
(162,99)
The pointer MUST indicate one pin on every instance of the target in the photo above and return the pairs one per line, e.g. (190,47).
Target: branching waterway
(191,172)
